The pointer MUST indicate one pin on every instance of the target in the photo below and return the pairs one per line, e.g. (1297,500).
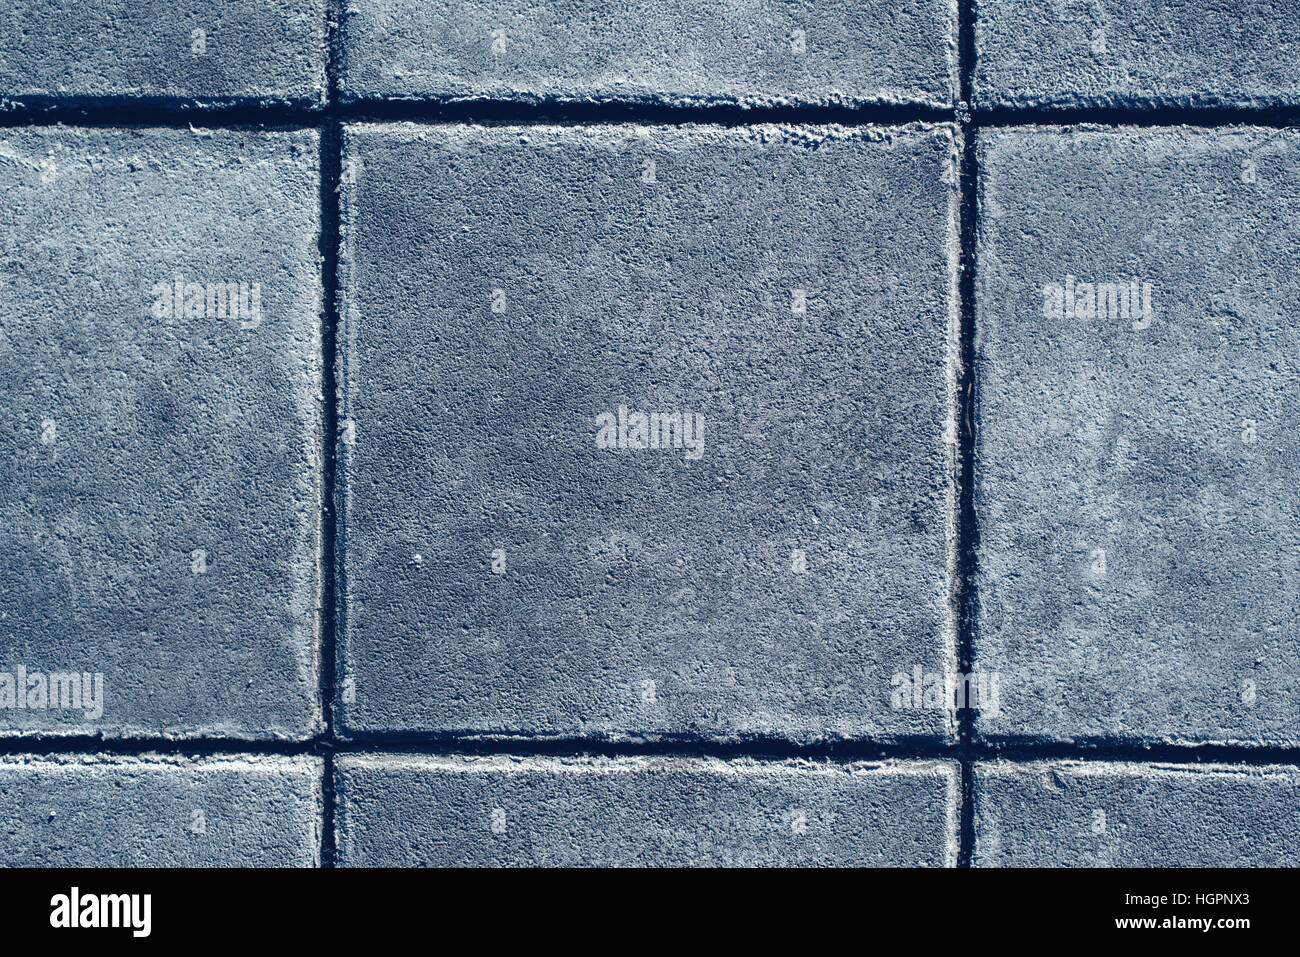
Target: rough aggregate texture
(1139,53)
(1101,814)
(158,811)
(163,51)
(160,514)
(1135,478)
(771,586)
(507,811)
(674,52)
(511,297)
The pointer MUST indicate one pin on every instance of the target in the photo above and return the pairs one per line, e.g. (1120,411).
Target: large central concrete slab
(676,52)
(1139,435)
(515,298)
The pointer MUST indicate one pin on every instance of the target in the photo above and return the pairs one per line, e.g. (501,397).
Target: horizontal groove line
(617,112)
(759,749)
(480,111)
(110,114)
(1141,116)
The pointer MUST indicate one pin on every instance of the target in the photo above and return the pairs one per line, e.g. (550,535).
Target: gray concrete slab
(160,501)
(1102,814)
(407,810)
(514,298)
(1135,486)
(1107,53)
(160,811)
(671,52)
(164,51)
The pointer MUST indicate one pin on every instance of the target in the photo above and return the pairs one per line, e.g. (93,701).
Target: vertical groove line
(330,174)
(967,526)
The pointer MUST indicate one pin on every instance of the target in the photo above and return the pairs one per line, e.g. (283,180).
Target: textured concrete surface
(754,52)
(451,811)
(1098,814)
(506,287)
(645,432)
(158,811)
(235,51)
(1135,488)
(1116,53)
(159,511)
